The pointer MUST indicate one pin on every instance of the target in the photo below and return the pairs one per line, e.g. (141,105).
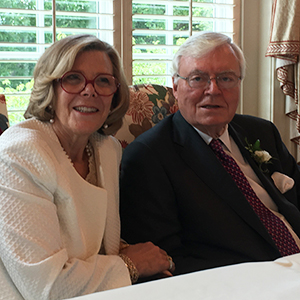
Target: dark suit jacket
(176,193)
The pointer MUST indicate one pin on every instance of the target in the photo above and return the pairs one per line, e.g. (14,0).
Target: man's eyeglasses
(75,83)
(202,80)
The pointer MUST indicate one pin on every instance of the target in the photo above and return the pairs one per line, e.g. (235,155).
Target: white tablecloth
(278,280)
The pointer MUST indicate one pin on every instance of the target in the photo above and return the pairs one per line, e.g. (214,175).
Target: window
(146,34)
(161,26)
(29,27)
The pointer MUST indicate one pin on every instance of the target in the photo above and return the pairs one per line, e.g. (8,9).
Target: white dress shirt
(230,148)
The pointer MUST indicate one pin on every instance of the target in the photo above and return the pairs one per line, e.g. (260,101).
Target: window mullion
(160,27)
(123,34)
(29,27)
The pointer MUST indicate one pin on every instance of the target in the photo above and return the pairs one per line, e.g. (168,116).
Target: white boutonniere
(262,157)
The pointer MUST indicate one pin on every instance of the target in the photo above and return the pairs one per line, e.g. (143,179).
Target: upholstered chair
(149,104)
(3,114)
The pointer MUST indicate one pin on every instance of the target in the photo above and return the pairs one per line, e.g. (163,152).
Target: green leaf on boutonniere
(260,156)
(256,146)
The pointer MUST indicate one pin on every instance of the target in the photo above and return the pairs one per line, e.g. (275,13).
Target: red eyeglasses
(75,82)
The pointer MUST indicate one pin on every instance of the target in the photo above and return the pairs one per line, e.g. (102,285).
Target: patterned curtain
(284,45)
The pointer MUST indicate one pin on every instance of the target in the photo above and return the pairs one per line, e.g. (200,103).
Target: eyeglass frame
(87,82)
(209,80)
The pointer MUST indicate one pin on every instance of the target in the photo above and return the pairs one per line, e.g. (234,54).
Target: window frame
(122,33)
(235,31)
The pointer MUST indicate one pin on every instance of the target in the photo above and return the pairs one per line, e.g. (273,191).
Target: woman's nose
(89,90)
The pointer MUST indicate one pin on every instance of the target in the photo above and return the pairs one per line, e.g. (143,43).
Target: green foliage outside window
(155,69)
(150,69)
(17,90)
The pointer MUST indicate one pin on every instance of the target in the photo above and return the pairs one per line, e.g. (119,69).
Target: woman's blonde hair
(56,61)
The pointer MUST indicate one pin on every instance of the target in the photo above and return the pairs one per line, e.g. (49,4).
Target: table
(275,280)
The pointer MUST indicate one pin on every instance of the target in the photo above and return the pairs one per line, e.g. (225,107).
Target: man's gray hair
(202,43)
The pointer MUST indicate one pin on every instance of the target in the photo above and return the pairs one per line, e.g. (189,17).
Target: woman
(59,221)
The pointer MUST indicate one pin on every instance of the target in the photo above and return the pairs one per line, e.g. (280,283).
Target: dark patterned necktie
(276,228)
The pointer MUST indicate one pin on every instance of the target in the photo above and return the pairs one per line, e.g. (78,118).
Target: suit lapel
(202,160)
(285,207)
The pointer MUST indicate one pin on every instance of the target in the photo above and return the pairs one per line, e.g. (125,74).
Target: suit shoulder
(247,121)
(157,133)
(255,128)
(156,139)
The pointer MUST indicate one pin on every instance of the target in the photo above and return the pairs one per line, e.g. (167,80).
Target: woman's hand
(149,259)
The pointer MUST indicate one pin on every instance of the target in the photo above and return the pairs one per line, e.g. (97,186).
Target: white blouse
(52,221)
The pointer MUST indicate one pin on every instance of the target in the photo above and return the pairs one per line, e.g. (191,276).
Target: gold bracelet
(123,245)
(134,273)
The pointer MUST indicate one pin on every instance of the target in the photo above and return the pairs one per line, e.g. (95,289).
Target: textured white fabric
(53,222)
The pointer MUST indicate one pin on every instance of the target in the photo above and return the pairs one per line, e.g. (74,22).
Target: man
(186,196)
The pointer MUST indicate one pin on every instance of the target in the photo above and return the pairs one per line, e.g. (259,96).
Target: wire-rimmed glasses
(75,82)
(201,80)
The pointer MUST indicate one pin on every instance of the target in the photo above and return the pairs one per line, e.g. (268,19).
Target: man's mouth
(210,106)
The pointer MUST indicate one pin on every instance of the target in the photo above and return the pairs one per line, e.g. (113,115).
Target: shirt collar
(224,138)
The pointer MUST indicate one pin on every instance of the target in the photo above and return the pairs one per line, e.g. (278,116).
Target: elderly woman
(59,202)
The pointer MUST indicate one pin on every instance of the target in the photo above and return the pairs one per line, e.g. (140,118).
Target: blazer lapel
(202,160)
(286,208)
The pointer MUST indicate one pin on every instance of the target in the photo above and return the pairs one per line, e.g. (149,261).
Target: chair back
(149,104)
(3,114)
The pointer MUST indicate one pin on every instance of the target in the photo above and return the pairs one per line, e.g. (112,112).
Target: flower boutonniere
(260,156)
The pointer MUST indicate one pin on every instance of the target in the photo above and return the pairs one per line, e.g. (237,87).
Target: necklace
(88,150)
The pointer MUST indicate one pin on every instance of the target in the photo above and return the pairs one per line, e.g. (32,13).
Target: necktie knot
(216,146)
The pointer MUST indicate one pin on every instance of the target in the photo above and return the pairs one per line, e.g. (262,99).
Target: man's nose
(212,85)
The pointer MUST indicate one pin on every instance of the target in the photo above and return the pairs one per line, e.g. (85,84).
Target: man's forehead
(196,71)
(205,64)
(218,51)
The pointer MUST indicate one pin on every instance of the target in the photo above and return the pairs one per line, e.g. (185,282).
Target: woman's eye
(73,77)
(103,81)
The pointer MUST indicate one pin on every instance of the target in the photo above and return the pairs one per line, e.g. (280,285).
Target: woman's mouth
(85,109)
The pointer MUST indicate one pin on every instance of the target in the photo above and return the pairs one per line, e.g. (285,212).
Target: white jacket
(52,221)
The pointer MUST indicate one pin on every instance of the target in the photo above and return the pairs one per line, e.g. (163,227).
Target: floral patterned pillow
(149,104)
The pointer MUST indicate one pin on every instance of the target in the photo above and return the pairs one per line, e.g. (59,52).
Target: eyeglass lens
(75,82)
(224,80)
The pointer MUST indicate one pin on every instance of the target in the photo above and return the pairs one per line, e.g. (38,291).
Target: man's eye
(198,78)
(227,78)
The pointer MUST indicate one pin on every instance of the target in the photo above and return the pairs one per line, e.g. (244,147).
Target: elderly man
(207,185)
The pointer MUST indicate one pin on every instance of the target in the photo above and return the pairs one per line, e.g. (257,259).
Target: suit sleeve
(149,209)
(146,191)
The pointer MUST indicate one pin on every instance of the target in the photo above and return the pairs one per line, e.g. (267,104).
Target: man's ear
(174,87)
